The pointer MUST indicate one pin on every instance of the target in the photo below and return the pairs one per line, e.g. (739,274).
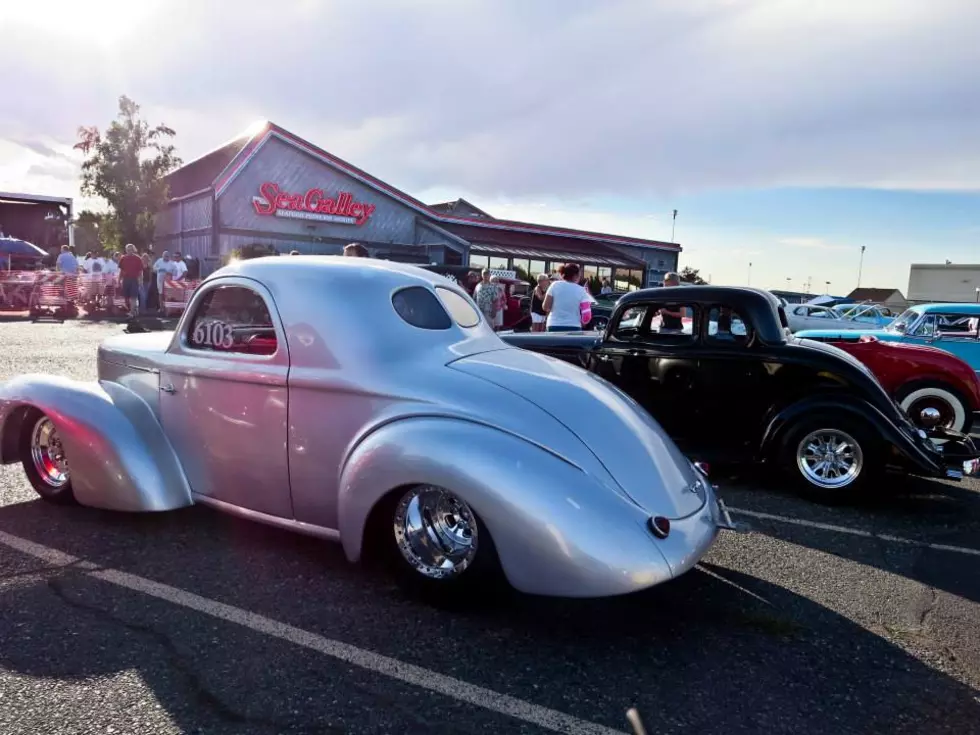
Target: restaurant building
(270,187)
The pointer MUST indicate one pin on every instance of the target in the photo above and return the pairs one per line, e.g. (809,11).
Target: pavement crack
(185,671)
(929,608)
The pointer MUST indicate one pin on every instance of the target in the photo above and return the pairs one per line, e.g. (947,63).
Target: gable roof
(224,164)
(460,207)
(874,294)
(201,173)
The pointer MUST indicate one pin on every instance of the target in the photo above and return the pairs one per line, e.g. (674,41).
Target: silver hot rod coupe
(369,402)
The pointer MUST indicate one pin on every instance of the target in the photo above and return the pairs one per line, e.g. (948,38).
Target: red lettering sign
(313,205)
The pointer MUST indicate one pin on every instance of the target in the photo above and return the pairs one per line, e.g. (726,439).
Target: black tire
(60,494)
(867,454)
(956,412)
(480,579)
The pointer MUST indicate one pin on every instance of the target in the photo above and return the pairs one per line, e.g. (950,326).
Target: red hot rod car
(920,377)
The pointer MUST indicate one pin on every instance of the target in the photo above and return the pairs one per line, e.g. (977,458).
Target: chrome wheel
(435,532)
(48,455)
(829,458)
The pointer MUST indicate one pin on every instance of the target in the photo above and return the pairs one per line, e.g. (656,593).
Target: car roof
(964,308)
(343,306)
(762,307)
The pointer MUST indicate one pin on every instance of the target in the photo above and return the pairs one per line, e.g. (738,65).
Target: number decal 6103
(213,334)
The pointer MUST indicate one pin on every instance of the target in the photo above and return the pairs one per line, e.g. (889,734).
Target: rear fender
(557,530)
(779,425)
(118,455)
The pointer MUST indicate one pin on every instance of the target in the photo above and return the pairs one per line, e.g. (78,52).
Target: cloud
(552,98)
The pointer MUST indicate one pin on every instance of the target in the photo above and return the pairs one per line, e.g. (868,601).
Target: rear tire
(955,414)
(44,460)
(831,459)
(435,546)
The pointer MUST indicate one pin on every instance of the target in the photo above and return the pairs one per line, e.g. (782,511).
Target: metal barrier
(92,292)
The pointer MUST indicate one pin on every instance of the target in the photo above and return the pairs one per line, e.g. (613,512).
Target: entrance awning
(483,248)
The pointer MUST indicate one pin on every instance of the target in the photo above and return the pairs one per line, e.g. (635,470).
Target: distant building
(935,283)
(890,297)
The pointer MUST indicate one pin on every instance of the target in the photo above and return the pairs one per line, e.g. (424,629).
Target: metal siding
(167,222)
(297,172)
(195,213)
(944,283)
(197,246)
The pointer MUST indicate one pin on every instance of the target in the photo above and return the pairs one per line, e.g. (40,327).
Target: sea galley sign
(313,205)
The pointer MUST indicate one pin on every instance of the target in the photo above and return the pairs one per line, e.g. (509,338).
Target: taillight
(659,526)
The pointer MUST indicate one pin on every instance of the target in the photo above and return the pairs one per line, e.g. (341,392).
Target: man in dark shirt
(672,318)
(130,272)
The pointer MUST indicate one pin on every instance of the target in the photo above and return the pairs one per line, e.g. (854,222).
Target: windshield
(902,323)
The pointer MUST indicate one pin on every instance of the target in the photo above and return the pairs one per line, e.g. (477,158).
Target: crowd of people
(141,276)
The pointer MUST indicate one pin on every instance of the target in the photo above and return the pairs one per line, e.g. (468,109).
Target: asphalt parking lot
(817,620)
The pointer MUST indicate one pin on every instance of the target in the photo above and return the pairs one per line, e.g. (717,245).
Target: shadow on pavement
(716,651)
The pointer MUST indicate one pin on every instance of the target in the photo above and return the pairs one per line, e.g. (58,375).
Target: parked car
(918,377)
(949,327)
(849,317)
(369,402)
(733,386)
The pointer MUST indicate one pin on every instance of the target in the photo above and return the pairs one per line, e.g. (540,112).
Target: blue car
(950,327)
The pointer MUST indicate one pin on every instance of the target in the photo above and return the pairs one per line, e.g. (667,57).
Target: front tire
(437,547)
(44,460)
(831,460)
(953,411)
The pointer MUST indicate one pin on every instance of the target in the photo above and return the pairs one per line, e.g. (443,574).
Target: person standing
(538,315)
(67,262)
(564,299)
(356,250)
(606,288)
(147,283)
(486,297)
(180,267)
(163,268)
(672,319)
(131,273)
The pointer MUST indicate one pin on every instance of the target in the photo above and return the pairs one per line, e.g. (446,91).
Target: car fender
(556,529)
(776,429)
(118,455)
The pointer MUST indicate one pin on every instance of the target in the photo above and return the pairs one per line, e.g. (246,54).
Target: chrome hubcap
(435,532)
(48,455)
(829,458)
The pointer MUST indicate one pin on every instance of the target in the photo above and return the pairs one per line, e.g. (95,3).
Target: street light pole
(860,266)
(788,282)
(828,287)
(750,274)
(673,225)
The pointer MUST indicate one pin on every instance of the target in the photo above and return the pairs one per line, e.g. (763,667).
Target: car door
(657,366)
(958,334)
(732,383)
(223,399)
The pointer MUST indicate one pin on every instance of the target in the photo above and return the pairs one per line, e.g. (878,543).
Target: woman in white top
(564,299)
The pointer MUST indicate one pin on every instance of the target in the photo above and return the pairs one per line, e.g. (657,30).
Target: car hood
(623,437)
(843,334)
(142,350)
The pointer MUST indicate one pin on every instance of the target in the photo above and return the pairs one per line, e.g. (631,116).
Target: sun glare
(101,21)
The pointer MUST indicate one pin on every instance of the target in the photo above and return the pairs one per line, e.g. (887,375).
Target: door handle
(168,388)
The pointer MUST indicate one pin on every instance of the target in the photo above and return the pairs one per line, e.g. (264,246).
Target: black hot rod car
(727,381)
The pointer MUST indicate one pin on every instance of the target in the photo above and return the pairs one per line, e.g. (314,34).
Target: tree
(125,166)
(691,275)
(92,232)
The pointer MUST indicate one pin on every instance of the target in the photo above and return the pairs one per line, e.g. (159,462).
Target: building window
(628,280)
(497,263)
(590,272)
(536,267)
(604,273)
(479,261)
(522,265)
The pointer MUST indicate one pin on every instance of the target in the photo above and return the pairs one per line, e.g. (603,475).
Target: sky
(786,133)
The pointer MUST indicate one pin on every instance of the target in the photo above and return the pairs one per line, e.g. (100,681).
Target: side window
(419,307)
(665,322)
(459,308)
(232,319)
(925,328)
(957,326)
(726,326)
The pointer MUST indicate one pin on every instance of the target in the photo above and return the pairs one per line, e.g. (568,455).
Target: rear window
(462,311)
(419,307)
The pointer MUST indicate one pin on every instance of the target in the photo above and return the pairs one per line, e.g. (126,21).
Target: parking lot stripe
(408,673)
(854,531)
